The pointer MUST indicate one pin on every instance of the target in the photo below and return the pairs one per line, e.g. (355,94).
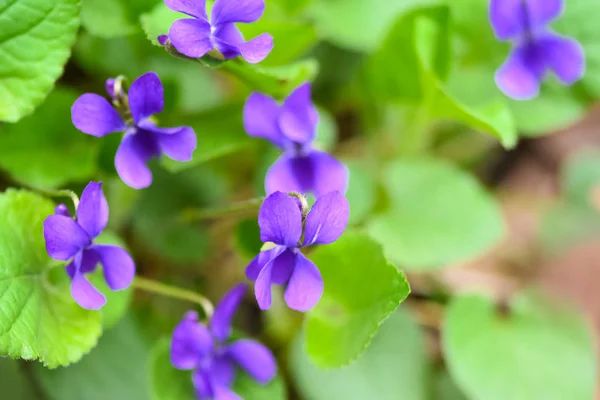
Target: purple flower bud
(537,49)
(143,140)
(110,87)
(211,355)
(162,39)
(69,239)
(196,37)
(62,209)
(292,127)
(280,221)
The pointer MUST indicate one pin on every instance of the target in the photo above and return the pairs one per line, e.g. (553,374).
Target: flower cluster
(536,48)
(211,354)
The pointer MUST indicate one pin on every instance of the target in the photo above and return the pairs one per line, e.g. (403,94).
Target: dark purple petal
(261,115)
(146,96)
(220,323)
(228,11)
(191,341)
(191,37)
(64,237)
(305,287)
(255,358)
(223,392)
(329,174)
(508,18)
(85,294)
(564,56)
(118,266)
(257,264)
(93,114)
(542,12)
(176,143)
(280,220)
(262,286)
(202,385)
(290,174)
(222,371)
(257,49)
(283,265)
(87,260)
(299,117)
(135,150)
(193,8)
(162,39)
(228,51)
(521,74)
(327,219)
(92,212)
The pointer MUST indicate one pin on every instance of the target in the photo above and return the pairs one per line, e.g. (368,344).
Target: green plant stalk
(194,215)
(156,287)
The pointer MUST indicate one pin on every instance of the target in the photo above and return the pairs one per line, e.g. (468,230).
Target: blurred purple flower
(213,358)
(69,239)
(536,48)
(143,140)
(282,223)
(194,37)
(292,127)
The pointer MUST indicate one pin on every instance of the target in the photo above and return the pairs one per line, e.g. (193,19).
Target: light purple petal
(257,264)
(329,174)
(299,117)
(305,288)
(85,294)
(146,96)
(327,219)
(118,266)
(542,12)
(280,220)
(261,115)
(191,37)
(222,371)
(228,11)
(521,74)
(290,174)
(191,341)
(109,86)
(220,323)
(93,114)
(223,392)
(257,49)
(92,212)
(135,150)
(176,143)
(262,286)
(202,385)
(227,38)
(508,18)
(255,358)
(64,237)
(193,8)
(564,56)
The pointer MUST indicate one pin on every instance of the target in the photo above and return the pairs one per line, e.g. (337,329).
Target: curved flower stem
(156,287)
(60,193)
(194,215)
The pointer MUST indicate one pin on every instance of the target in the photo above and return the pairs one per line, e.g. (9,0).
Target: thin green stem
(163,289)
(194,215)
(60,193)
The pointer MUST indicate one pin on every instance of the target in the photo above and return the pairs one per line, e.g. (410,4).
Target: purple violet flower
(292,127)
(536,48)
(69,239)
(283,222)
(143,140)
(213,357)
(194,37)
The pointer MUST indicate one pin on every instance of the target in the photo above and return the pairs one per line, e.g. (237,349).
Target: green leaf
(107,18)
(167,382)
(39,319)
(220,132)
(362,191)
(115,369)
(395,366)
(158,22)
(14,383)
(35,43)
(350,312)
(538,351)
(438,215)
(419,44)
(45,150)
(358,24)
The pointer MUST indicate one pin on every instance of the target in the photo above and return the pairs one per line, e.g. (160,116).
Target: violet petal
(85,294)
(146,96)
(93,114)
(118,266)
(191,37)
(280,220)
(193,8)
(228,11)
(305,287)
(190,342)
(299,117)
(327,219)
(261,114)
(257,49)
(64,237)
(92,212)
(220,323)
(255,358)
